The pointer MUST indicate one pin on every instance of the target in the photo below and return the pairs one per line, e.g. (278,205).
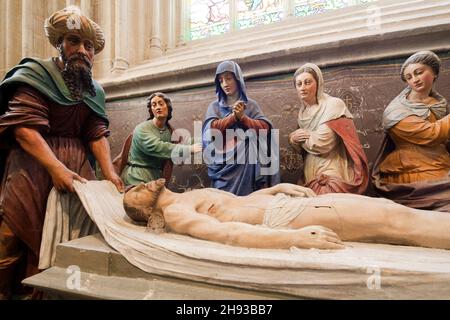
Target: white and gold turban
(70,19)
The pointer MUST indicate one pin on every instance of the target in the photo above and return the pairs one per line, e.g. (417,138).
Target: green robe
(45,76)
(149,148)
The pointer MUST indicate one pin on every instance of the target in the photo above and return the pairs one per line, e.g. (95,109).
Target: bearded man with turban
(52,116)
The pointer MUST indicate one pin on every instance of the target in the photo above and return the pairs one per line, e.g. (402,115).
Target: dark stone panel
(366,89)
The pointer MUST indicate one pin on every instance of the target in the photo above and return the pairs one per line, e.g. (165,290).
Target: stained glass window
(213,17)
(255,12)
(308,7)
(208,18)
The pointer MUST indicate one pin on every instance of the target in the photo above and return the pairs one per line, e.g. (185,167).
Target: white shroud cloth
(295,271)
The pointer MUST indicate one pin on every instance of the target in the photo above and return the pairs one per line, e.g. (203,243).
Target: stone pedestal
(88,268)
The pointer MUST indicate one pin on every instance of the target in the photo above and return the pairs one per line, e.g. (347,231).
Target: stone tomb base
(106,274)
(88,268)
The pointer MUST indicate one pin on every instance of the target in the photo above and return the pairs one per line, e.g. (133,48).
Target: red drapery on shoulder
(346,130)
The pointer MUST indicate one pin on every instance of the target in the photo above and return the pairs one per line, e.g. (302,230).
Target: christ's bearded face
(140,201)
(146,194)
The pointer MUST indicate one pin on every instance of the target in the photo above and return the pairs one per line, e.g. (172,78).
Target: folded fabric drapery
(298,272)
(65,220)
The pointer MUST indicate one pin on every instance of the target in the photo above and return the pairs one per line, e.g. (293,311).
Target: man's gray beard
(78,78)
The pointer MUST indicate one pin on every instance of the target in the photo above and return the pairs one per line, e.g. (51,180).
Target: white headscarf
(330,108)
(401,107)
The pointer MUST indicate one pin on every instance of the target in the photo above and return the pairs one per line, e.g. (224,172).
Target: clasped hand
(238,109)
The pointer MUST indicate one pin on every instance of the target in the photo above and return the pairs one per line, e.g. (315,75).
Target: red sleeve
(26,108)
(95,128)
(223,124)
(250,123)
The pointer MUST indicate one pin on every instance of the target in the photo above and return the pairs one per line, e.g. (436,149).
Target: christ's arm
(185,220)
(289,189)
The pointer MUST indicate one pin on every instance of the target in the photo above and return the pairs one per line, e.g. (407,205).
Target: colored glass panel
(208,18)
(255,12)
(212,17)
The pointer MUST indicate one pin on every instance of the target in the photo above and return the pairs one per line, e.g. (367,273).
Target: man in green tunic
(151,148)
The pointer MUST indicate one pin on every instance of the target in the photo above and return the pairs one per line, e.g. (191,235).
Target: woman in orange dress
(413,165)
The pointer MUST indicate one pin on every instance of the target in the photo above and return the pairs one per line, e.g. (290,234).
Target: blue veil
(225,174)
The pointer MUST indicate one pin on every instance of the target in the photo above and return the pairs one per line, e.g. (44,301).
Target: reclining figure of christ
(284,216)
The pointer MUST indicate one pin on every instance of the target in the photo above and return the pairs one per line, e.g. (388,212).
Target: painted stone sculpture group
(54,129)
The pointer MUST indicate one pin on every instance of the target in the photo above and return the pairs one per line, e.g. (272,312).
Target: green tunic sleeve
(149,149)
(149,141)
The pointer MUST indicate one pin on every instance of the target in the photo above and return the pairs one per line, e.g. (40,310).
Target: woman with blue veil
(239,147)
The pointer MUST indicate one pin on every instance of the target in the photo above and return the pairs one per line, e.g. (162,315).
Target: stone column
(104,17)
(155,40)
(86,8)
(28,16)
(2,38)
(172,24)
(142,29)
(72,3)
(13,45)
(183,23)
(121,34)
(52,6)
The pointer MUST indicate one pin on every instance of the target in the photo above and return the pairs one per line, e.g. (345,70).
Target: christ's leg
(366,219)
